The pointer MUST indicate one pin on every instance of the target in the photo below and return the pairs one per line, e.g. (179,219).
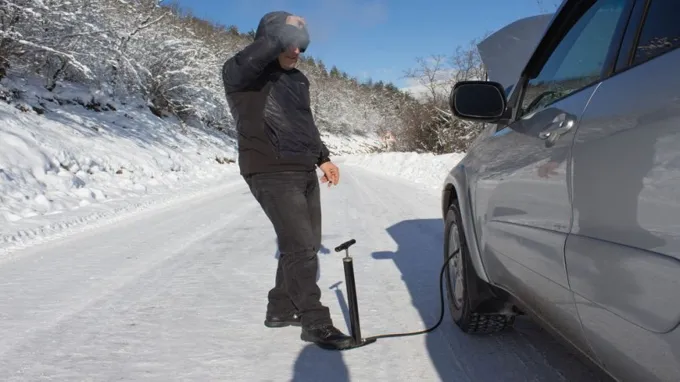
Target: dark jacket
(271,106)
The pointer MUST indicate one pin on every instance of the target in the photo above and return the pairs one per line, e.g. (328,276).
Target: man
(279,150)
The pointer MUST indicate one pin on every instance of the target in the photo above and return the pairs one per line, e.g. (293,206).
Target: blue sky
(378,38)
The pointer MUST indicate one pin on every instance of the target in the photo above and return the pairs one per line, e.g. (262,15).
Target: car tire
(462,281)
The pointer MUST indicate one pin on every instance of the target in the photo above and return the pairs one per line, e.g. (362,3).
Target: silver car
(567,207)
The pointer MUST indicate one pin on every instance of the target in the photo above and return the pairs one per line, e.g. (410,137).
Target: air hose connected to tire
(441,306)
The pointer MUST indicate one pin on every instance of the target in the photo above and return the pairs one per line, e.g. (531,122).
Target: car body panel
(456,188)
(612,205)
(623,254)
(522,219)
(492,51)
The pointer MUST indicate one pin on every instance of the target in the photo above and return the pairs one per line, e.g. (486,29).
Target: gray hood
(506,52)
(273,24)
(270,22)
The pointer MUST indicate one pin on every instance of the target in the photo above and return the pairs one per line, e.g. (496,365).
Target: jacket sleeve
(324,155)
(244,67)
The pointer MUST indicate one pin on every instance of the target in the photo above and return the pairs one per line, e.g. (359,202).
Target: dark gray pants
(291,201)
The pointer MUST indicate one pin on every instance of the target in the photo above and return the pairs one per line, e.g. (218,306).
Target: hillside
(171,60)
(110,105)
(73,155)
(110,100)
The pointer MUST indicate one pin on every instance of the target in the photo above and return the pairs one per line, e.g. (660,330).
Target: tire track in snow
(40,293)
(192,316)
(180,293)
(22,239)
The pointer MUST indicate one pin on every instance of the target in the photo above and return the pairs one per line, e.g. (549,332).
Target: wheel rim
(455,267)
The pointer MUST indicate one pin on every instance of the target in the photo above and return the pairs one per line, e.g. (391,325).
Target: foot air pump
(355,327)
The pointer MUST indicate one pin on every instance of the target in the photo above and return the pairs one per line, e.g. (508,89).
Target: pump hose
(441,306)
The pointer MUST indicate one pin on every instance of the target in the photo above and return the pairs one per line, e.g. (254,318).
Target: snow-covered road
(178,292)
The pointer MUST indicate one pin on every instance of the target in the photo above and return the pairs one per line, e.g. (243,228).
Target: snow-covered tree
(429,125)
(171,60)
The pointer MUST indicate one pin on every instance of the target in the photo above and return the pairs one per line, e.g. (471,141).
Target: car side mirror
(480,101)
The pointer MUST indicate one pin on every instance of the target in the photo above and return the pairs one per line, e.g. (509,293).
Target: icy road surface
(177,293)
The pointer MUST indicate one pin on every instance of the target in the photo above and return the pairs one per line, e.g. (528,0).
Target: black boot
(280,321)
(327,337)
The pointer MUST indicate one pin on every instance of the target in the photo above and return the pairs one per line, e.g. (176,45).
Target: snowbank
(73,156)
(67,149)
(426,169)
(350,144)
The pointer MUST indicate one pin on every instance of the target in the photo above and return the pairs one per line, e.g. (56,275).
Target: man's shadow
(316,364)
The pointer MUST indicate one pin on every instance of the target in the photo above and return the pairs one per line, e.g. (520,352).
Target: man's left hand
(331,173)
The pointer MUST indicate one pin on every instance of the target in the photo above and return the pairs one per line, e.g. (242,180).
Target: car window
(661,31)
(578,60)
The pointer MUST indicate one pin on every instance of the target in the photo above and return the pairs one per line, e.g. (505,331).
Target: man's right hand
(331,173)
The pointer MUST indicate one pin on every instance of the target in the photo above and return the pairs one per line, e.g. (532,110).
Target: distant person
(279,150)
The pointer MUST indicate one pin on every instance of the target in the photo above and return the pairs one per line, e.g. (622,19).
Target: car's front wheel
(460,281)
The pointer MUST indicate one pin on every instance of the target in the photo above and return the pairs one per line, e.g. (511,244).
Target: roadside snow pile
(426,169)
(70,148)
(72,156)
(350,144)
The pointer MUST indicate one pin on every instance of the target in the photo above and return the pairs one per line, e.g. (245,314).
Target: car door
(623,253)
(522,193)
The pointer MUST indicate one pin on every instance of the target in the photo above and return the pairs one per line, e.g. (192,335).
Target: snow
(61,157)
(74,156)
(425,169)
(340,145)
(178,292)
(131,249)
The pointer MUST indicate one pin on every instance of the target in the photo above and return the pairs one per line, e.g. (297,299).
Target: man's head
(291,30)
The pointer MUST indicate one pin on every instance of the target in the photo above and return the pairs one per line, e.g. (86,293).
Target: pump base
(363,342)
(353,345)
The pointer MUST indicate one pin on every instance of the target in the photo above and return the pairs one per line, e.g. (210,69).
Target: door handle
(558,127)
